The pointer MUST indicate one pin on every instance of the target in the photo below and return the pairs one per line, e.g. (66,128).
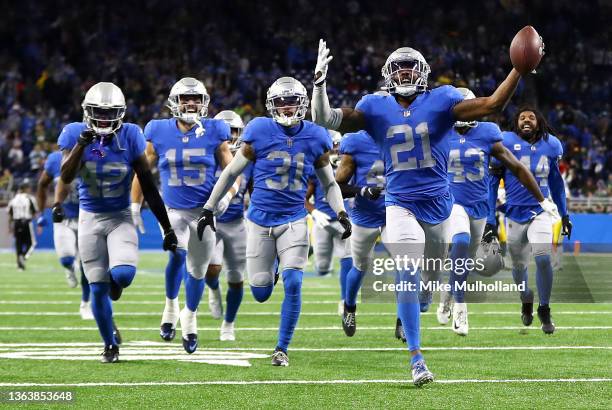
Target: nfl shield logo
(406,114)
(533,148)
(185,139)
(517,147)
(461,140)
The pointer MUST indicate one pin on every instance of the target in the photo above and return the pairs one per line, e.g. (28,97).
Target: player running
(284,151)
(471,146)
(187,149)
(104,152)
(529,226)
(410,127)
(230,249)
(65,214)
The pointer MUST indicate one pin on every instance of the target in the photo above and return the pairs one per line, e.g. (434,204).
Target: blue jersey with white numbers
(284,163)
(414,145)
(187,161)
(53,165)
(104,184)
(539,158)
(369,171)
(235,209)
(468,166)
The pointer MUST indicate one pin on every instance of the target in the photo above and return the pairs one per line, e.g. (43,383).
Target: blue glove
(41,221)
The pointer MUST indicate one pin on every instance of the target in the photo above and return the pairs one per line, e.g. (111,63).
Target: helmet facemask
(183,107)
(405,76)
(236,141)
(287,110)
(103,120)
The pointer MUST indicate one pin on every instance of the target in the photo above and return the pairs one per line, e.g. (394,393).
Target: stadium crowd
(52,52)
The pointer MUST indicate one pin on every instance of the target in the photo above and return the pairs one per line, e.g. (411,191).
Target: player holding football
(285,151)
(472,144)
(65,213)
(103,152)
(410,127)
(532,144)
(187,148)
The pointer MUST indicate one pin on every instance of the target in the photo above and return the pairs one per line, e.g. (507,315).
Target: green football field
(45,346)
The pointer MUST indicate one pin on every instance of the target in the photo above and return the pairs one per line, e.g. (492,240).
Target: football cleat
(115,290)
(280,358)
(399,330)
(425,299)
(349,325)
(460,319)
(227,332)
(85,311)
(421,374)
(116,334)
(527,308)
(110,354)
(189,330)
(548,326)
(71,279)
(167,331)
(215,304)
(443,312)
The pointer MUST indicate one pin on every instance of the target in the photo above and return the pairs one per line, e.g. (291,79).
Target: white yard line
(285,382)
(315,328)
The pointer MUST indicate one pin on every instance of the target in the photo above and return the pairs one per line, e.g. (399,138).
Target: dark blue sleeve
(557,188)
(493,187)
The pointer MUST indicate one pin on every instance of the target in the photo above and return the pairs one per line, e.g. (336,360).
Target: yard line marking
(135,293)
(316,328)
(284,382)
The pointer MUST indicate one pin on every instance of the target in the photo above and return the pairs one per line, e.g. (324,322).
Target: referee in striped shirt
(21,210)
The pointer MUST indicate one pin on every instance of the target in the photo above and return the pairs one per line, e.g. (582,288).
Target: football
(526,50)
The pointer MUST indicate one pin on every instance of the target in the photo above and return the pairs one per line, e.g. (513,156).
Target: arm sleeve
(331,188)
(557,188)
(227,179)
(493,187)
(322,113)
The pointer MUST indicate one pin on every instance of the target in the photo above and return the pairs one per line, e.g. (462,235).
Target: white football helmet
(104,108)
(405,72)
(188,86)
(334,157)
(490,257)
(236,125)
(467,95)
(286,94)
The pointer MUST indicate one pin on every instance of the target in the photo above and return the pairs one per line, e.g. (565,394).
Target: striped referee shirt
(22,206)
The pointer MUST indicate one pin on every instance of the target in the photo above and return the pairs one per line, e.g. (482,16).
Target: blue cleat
(167,331)
(191,343)
(425,299)
(421,374)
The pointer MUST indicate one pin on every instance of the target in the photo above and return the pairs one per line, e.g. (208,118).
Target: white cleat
(71,279)
(169,319)
(460,319)
(227,332)
(189,330)
(444,309)
(85,311)
(341,307)
(215,303)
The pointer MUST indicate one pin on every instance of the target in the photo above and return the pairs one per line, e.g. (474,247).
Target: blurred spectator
(37,159)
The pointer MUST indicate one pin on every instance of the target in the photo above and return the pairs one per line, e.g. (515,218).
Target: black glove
(566,226)
(206,219)
(170,241)
(57,213)
(86,137)
(370,192)
(490,232)
(346,224)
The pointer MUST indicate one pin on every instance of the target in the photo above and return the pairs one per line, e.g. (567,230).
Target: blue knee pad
(262,293)
(123,275)
(67,262)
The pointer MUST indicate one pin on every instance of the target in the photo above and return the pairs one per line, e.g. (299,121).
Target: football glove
(86,137)
(567,226)
(550,208)
(206,219)
(346,224)
(57,213)
(321,219)
(137,217)
(490,232)
(323,60)
(170,241)
(370,192)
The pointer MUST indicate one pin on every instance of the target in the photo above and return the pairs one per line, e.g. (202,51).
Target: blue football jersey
(53,165)
(414,145)
(235,209)
(369,171)
(104,183)
(187,162)
(284,164)
(539,158)
(468,166)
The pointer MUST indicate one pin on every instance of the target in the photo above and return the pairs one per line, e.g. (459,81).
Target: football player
(471,145)
(104,152)
(360,163)
(65,213)
(529,226)
(187,149)
(285,151)
(230,249)
(410,125)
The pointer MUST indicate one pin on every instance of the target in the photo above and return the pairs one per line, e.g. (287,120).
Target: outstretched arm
(557,188)
(230,174)
(325,174)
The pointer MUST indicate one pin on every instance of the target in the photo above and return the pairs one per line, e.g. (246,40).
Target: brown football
(526,50)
